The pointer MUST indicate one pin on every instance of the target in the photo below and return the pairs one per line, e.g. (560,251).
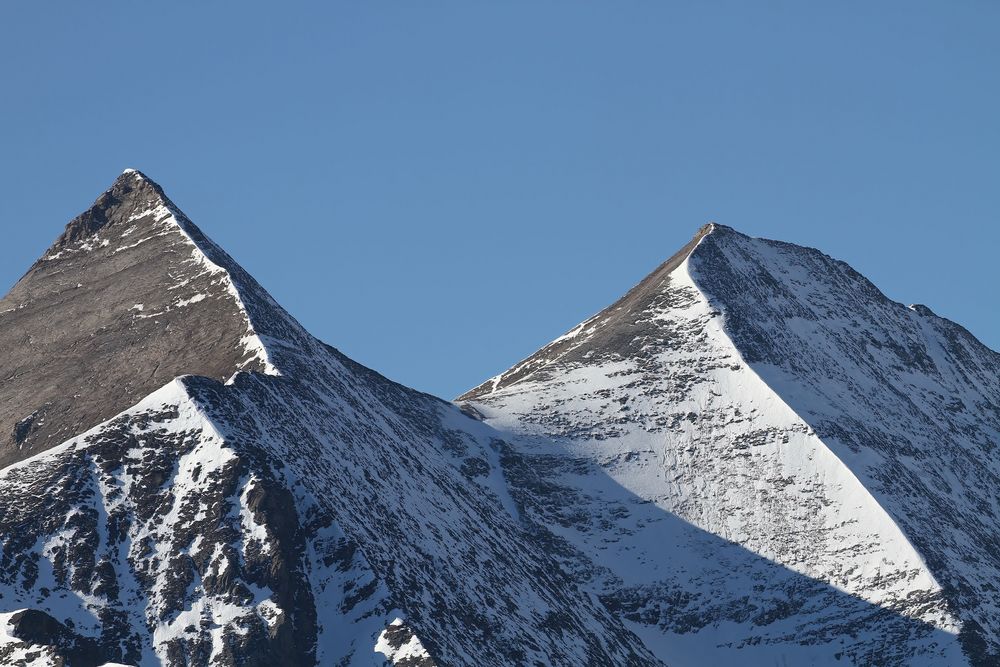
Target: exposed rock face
(278,505)
(767,459)
(125,300)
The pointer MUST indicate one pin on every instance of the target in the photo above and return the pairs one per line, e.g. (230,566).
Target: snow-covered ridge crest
(172,393)
(101,493)
(152,540)
(876,517)
(907,400)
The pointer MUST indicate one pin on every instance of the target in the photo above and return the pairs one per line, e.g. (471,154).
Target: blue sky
(439,188)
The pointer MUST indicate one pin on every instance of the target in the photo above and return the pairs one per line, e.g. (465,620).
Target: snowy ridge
(155,531)
(907,400)
(211,521)
(807,453)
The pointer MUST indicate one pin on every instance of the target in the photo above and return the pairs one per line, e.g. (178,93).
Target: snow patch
(388,644)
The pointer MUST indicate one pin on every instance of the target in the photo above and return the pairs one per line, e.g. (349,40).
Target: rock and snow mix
(752,458)
(768,433)
(285,513)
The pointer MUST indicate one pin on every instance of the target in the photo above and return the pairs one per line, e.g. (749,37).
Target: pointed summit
(132,194)
(130,296)
(621,330)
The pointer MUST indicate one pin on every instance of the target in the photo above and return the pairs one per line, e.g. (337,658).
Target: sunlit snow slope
(757,458)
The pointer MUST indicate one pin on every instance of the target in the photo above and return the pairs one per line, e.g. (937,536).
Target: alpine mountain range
(754,457)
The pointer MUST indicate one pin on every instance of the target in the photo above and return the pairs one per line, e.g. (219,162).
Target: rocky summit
(753,458)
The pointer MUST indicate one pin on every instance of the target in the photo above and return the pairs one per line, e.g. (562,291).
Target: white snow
(412,649)
(187,302)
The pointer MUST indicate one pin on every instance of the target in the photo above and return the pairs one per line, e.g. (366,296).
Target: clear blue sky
(439,188)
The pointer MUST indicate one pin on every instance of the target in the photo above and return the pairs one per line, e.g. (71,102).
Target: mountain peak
(620,330)
(921,309)
(131,194)
(770,395)
(130,296)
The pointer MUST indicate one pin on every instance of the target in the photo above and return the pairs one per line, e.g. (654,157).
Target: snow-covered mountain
(755,457)
(193,479)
